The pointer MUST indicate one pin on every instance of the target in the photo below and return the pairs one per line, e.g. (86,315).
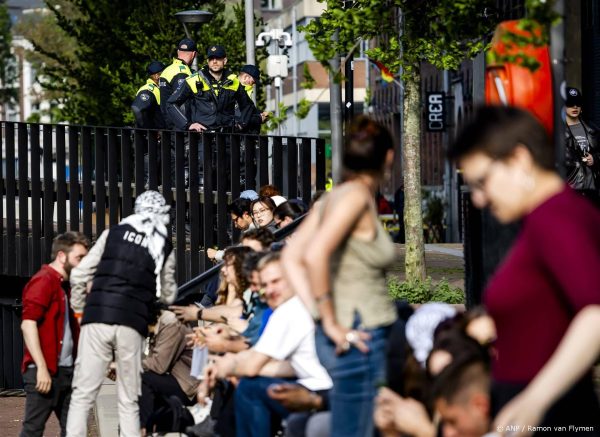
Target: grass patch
(425,291)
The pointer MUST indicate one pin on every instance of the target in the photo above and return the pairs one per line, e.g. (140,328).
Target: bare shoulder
(349,194)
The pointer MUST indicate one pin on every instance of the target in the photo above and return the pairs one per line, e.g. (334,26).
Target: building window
(270,5)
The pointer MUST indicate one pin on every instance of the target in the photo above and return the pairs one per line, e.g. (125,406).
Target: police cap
(253,71)
(574,97)
(155,67)
(187,45)
(215,52)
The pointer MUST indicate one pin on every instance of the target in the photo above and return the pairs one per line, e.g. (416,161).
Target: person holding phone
(582,157)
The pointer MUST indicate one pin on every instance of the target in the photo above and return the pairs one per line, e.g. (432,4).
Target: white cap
(278,200)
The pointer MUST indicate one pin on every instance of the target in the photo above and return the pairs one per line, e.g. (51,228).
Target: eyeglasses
(260,211)
(479,183)
(235,219)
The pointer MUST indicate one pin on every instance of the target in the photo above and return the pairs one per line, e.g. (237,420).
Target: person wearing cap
(146,105)
(250,77)
(175,74)
(212,94)
(582,157)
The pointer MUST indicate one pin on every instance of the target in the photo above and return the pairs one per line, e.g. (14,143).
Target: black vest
(124,286)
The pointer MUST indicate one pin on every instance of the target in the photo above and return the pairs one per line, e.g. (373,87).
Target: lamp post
(276,63)
(193,17)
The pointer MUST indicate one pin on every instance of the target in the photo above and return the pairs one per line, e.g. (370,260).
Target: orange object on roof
(514,85)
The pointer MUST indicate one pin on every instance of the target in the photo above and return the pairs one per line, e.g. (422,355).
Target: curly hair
(234,256)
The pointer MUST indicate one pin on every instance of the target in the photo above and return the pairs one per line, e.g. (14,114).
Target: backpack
(172,417)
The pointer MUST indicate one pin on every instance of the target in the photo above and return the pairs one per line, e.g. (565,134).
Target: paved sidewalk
(12,409)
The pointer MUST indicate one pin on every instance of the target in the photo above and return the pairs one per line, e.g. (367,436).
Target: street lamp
(277,64)
(193,17)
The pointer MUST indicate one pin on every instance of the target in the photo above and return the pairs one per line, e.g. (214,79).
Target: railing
(195,288)
(56,178)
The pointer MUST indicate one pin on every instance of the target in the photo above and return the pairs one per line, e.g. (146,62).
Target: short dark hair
(497,130)
(251,261)
(65,242)
(288,209)
(262,235)
(239,207)
(366,146)
(460,376)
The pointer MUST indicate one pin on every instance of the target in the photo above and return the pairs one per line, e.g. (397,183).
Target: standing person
(544,297)
(175,74)
(131,265)
(146,105)
(336,262)
(212,94)
(50,332)
(582,156)
(250,78)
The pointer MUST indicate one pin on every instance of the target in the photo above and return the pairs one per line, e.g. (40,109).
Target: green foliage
(425,291)
(274,121)
(8,70)
(93,53)
(309,80)
(442,32)
(534,32)
(304,106)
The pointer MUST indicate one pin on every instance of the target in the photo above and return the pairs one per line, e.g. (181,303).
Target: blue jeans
(355,381)
(254,409)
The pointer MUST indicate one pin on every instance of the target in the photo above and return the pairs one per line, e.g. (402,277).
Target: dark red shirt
(44,302)
(551,272)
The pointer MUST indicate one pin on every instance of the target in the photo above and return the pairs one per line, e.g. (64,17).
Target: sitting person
(262,213)
(462,398)
(229,307)
(241,216)
(259,239)
(220,340)
(285,350)
(166,368)
(286,213)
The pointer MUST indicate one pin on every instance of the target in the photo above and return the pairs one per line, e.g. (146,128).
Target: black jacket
(210,102)
(579,175)
(146,107)
(170,78)
(124,286)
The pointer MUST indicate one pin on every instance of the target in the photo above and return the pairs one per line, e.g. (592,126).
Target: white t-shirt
(290,335)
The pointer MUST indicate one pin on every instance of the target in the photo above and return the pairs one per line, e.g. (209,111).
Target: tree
(440,32)
(8,90)
(102,63)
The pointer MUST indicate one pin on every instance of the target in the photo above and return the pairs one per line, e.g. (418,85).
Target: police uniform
(209,101)
(146,105)
(254,119)
(172,77)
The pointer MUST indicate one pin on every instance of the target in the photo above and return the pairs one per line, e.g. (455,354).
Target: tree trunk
(411,168)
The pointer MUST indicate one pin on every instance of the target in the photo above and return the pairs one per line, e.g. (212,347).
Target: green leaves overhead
(105,47)
(441,32)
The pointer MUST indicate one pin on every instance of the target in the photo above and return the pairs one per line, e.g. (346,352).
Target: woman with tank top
(336,264)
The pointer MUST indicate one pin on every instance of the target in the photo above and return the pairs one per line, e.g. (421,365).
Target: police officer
(250,77)
(175,74)
(212,94)
(146,105)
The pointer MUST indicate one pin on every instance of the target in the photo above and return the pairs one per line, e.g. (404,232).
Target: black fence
(56,178)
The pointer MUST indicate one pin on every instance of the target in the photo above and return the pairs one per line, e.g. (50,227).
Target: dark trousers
(255,411)
(38,407)
(156,388)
